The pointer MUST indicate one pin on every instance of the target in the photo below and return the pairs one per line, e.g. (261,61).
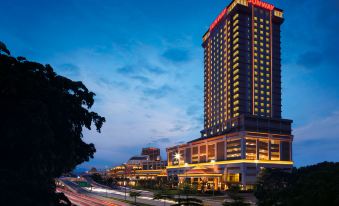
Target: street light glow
(177,156)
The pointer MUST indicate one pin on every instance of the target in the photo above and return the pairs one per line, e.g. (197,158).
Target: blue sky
(144,61)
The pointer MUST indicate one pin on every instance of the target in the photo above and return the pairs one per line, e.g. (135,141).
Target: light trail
(86,200)
(108,191)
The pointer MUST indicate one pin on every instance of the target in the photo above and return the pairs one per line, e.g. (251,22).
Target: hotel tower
(243,128)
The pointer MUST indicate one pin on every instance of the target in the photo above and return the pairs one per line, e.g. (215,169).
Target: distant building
(152,152)
(148,165)
(243,128)
(138,160)
(93,170)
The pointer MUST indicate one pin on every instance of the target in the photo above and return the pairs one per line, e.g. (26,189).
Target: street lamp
(186,166)
(256,167)
(125,181)
(213,186)
(177,156)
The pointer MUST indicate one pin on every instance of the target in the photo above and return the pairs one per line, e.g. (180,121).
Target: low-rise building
(147,166)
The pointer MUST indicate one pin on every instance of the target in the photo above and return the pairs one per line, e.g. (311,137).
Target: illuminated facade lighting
(243,127)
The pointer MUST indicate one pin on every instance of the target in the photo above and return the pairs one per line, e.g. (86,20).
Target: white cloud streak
(137,111)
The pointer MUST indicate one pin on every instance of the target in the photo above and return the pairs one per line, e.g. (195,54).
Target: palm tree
(235,198)
(162,196)
(188,201)
(185,191)
(135,195)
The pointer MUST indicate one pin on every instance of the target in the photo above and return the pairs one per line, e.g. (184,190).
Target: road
(81,197)
(100,191)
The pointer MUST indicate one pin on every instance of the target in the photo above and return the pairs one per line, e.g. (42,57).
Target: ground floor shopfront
(220,175)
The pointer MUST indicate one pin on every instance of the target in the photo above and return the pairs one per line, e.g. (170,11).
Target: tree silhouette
(235,199)
(162,195)
(306,186)
(183,196)
(42,116)
(135,195)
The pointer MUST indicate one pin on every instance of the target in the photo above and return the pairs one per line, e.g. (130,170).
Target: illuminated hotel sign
(261,4)
(243,2)
(218,19)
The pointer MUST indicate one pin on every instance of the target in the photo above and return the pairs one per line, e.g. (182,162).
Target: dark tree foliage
(183,196)
(307,186)
(234,197)
(42,116)
(272,187)
(135,195)
(108,181)
(162,195)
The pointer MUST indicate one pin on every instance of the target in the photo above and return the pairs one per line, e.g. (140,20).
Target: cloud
(159,141)
(158,92)
(310,59)
(317,141)
(141,96)
(155,70)
(176,55)
(142,79)
(316,39)
(320,129)
(126,70)
(68,69)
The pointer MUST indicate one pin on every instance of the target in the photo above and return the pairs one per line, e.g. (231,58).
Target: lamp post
(213,163)
(177,157)
(125,182)
(186,166)
(256,166)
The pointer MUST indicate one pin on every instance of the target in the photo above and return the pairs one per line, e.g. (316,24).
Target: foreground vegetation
(42,119)
(307,186)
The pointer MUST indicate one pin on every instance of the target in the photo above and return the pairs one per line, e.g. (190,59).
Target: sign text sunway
(261,4)
(254,2)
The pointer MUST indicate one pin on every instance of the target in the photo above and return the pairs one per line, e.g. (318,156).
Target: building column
(269,146)
(257,148)
(225,146)
(243,170)
(243,148)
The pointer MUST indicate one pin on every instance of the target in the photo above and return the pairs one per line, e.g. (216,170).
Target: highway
(102,195)
(81,197)
(97,193)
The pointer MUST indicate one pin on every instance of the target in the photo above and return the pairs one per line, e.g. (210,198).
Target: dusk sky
(144,60)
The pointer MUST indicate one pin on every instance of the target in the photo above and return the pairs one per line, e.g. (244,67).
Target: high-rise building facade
(242,61)
(243,127)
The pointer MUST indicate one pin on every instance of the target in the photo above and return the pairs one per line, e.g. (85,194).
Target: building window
(211,152)
(263,149)
(251,149)
(233,149)
(233,177)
